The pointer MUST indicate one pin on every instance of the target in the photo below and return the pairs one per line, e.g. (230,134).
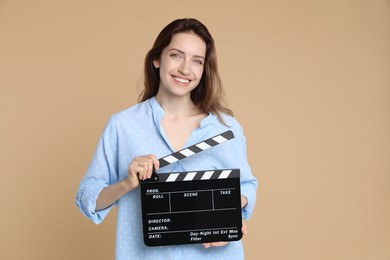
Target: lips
(181,81)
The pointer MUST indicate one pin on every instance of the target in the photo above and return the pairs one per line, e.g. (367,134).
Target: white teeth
(182,80)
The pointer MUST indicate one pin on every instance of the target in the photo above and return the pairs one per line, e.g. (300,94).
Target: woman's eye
(175,55)
(200,62)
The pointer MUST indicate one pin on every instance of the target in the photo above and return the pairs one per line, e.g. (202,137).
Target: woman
(181,104)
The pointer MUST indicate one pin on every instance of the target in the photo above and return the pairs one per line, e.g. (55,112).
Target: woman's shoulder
(230,121)
(224,122)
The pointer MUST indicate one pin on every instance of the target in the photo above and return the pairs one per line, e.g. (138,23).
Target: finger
(142,172)
(139,172)
(137,168)
(216,244)
(155,162)
(143,166)
(206,245)
(220,243)
(244,229)
(148,166)
(134,168)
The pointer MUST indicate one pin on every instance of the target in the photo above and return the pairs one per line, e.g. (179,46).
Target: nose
(184,68)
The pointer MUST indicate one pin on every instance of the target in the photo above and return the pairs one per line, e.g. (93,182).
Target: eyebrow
(182,52)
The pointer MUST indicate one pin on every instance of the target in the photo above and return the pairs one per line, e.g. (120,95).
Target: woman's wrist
(126,185)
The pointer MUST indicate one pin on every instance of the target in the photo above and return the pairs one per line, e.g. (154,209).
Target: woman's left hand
(243,230)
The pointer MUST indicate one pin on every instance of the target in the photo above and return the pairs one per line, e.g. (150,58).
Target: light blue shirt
(137,131)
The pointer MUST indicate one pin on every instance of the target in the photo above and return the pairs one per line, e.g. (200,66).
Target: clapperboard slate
(192,207)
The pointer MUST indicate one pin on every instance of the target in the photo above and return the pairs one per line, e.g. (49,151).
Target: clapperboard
(192,207)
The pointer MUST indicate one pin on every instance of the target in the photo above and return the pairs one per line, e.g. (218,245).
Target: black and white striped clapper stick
(199,175)
(196,148)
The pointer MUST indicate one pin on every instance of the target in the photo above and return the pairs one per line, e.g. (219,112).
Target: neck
(177,106)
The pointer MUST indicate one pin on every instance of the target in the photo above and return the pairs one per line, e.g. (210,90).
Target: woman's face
(181,64)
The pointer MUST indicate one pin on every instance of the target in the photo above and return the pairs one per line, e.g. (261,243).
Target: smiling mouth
(181,80)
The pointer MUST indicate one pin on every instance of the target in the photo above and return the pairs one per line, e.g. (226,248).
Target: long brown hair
(209,94)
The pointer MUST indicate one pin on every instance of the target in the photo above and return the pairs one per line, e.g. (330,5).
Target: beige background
(308,80)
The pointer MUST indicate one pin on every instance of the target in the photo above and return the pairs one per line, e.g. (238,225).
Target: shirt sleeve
(102,172)
(249,183)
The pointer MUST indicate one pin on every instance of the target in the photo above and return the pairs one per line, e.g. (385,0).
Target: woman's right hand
(141,168)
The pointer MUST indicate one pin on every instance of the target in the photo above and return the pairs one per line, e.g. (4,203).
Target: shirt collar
(158,114)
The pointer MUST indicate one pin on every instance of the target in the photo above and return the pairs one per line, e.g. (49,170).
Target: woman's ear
(156,64)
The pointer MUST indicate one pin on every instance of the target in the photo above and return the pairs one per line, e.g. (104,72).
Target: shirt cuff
(87,203)
(250,194)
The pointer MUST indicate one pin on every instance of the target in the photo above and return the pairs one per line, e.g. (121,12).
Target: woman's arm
(139,169)
(112,193)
